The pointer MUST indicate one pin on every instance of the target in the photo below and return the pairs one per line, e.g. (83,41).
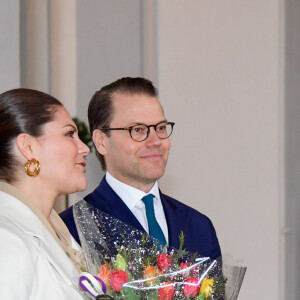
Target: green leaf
(153,295)
(120,263)
(129,294)
(200,296)
(181,240)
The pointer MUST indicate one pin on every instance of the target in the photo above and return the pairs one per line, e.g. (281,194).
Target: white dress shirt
(132,197)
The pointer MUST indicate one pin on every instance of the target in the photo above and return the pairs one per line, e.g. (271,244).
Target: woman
(41,157)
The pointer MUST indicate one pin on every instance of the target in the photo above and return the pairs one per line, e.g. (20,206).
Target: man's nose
(153,137)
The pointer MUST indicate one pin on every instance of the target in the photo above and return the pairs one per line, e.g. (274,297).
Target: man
(131,135)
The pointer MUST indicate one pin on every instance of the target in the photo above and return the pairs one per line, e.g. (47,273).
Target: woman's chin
(79,188)
(82,187)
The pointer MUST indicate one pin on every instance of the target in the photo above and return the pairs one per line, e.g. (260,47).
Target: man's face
(138,164)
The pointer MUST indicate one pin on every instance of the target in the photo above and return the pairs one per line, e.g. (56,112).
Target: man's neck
(142,186)
(129,194)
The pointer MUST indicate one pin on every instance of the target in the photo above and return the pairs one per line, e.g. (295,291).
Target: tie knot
(148,200)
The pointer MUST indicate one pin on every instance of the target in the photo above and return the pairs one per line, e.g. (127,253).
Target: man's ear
(24,143)
(100,141)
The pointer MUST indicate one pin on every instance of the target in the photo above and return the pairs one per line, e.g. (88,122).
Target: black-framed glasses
(140,132)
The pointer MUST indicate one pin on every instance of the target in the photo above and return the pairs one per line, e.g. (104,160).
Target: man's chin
(153,176)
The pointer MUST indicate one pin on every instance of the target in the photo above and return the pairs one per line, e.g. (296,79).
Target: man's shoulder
(194,224)
(103,197)
(180,206)
(103,189)
(185,213)
(67,213)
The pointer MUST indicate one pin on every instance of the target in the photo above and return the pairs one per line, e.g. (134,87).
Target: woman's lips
(82,164)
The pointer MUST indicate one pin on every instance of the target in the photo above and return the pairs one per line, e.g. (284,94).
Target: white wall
(219,76)
(9,45)
(108,47)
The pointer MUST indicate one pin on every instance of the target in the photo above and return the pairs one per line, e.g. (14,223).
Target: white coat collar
(25,219)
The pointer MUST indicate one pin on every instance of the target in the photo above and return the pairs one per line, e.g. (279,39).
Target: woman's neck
(37,194)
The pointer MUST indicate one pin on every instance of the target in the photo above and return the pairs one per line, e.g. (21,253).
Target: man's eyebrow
(141,123)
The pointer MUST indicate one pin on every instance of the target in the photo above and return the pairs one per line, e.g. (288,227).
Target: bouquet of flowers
(125,263)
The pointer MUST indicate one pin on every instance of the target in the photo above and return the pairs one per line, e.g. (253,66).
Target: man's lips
(153,156)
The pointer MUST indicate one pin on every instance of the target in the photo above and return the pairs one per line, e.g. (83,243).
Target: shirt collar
(130,195)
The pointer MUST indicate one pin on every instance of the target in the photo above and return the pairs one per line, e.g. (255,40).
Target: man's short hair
(100,111)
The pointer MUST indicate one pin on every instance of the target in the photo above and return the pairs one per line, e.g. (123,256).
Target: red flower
(167,291)
(117,278)
(191,287)
(164,261)
(195,271)
(183,265)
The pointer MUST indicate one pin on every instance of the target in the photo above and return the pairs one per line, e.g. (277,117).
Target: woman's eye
(71,133)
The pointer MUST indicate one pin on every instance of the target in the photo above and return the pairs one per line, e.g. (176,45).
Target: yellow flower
(207,286)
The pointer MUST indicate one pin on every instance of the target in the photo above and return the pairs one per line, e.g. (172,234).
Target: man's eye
(138,129)
(161,128)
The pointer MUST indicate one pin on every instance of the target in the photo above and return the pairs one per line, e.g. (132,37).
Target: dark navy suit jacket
(199,232)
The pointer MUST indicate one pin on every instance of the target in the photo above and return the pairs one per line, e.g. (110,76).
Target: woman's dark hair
(100,111)
(21,111)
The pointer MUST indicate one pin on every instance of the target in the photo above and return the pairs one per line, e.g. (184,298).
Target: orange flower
(149,272)
(103,274)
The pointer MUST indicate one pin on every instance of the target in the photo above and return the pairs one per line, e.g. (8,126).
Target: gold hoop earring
(36,170)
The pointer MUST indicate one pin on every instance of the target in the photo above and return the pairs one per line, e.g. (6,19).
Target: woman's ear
(100,141)
(24,143)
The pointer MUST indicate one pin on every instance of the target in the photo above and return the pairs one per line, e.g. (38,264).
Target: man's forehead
(136,105)
(127,100)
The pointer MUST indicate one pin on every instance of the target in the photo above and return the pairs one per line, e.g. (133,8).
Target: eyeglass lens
(141,132)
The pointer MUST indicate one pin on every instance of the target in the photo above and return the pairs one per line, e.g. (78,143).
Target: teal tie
(154,228)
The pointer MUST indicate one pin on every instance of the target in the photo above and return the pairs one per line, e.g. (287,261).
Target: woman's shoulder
(17,253)
(13,234)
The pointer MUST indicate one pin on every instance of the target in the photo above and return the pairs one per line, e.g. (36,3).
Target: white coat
(33,266)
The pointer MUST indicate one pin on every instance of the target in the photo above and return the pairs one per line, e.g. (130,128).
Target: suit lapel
(175,220)
(105,199)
